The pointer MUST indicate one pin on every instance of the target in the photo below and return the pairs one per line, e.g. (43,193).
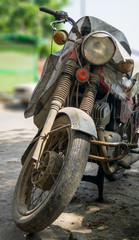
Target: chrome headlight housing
(98,48)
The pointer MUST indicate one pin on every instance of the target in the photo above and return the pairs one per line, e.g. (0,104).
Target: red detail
(103,88)
(73,55)
(41,63)
(64,57)
(100,71)
(82,75)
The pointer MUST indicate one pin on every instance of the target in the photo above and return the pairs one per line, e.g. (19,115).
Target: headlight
(98,48)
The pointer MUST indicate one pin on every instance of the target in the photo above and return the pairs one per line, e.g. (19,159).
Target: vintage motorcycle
(86,108)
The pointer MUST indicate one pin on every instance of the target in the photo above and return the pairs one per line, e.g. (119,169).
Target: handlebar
(57,14)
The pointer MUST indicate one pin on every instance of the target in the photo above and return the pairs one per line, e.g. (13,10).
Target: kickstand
(98,180)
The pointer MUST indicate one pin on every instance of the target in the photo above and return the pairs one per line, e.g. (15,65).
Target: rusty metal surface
(108,144)
(80,120)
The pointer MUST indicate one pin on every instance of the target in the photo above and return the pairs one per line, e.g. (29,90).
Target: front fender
(80,120)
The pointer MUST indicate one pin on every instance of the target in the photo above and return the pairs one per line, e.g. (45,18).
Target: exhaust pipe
(128,160)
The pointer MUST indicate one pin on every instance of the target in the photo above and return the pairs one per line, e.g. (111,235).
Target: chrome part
(52,24)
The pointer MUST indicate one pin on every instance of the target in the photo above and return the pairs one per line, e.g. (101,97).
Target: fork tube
(46,129)
(59,98)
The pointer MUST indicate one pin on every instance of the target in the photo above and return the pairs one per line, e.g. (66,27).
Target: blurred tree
(23,16)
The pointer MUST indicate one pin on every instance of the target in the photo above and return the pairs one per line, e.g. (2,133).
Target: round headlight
(98,48)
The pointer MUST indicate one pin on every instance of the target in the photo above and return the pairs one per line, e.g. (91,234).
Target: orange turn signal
(126,66)
(60,37)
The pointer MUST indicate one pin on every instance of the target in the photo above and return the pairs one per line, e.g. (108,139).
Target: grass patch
(16,66)
(9,81)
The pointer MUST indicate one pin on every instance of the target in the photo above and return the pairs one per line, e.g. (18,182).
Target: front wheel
(45,188)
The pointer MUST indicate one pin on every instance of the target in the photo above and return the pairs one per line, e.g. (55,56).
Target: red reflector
(82,75)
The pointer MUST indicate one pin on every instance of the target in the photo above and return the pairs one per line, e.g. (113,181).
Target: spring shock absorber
(90,92)
(64,84)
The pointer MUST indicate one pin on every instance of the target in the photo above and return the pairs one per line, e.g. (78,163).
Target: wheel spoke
(36,200)
(59,143)
(36,197)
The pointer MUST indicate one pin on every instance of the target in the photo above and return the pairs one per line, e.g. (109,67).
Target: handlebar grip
(49,11)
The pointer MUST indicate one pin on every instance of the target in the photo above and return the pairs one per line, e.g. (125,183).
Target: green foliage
(23,16)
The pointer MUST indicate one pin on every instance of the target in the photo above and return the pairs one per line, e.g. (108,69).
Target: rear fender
(80,120)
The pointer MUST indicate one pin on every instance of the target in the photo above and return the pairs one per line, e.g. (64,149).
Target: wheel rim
(39,178)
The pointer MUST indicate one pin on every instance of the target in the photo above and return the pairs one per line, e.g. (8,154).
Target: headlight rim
(106,35)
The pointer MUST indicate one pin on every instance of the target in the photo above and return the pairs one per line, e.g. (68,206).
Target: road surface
(84,218)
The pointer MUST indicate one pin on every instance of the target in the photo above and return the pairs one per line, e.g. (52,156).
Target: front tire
(43,192)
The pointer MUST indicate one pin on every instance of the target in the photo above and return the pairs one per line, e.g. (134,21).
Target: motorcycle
(86,109)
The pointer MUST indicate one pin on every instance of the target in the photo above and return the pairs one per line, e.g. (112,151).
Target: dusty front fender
(80,120)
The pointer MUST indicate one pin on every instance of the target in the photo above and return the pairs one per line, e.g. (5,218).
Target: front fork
(58,100)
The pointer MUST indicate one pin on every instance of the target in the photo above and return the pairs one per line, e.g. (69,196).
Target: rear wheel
(44,188)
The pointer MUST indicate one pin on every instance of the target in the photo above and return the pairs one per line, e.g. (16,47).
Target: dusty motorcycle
(86,108)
